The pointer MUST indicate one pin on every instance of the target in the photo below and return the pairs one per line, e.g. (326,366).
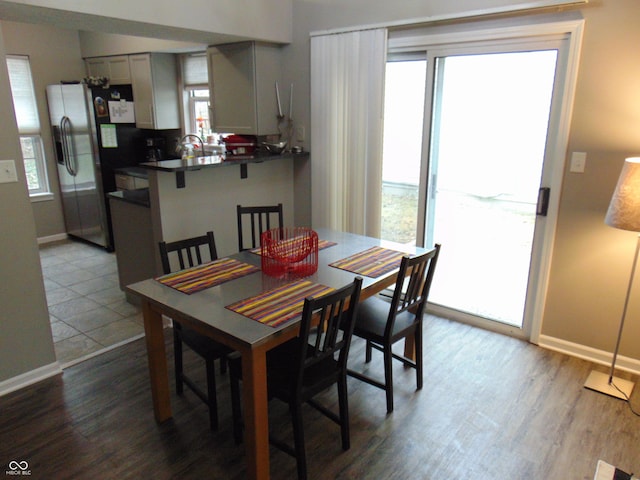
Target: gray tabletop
(208,306)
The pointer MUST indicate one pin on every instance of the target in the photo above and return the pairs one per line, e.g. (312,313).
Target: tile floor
(88,311)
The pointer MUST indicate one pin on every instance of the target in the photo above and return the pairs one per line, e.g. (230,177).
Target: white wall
(54,55)
(98,44)
(25,339)
(193,20)
(210,197)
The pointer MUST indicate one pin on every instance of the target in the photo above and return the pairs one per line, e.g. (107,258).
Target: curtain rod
(521,7)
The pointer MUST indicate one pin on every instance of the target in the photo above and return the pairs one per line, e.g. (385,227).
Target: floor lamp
(624,213)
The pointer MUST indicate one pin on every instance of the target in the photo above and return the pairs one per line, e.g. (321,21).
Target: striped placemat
(372,262)
(279,305)
(322,244)
(207,275)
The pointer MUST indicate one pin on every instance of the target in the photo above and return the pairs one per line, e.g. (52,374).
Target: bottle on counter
(187,152)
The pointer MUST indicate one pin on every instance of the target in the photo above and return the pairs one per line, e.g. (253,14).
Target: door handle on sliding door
(543,201)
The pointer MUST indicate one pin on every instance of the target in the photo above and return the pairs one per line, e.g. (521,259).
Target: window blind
(24,100)
(195,70)
(347,100)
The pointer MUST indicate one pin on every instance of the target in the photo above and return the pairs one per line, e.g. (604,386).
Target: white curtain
(347,99)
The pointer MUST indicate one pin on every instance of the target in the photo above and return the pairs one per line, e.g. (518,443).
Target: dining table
(211,310)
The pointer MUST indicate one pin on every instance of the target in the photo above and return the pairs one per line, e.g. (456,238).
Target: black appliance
(154,149)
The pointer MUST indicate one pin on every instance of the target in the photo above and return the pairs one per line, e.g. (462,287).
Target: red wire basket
(289,251)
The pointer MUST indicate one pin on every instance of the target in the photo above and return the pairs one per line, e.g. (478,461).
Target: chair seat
(204,346)
(372,320)
(282,367)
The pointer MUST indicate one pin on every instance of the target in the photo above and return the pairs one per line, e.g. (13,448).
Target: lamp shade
(624,209)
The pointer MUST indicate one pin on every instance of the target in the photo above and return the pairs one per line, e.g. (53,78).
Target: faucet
(182,143)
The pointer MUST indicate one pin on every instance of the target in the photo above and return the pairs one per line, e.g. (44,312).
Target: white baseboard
(29,378)
(594,355)
(52,238)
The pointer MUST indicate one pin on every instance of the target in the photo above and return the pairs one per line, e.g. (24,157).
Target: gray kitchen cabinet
(155,90)
(133,237)
(242,80)
(115,68)
(130,182)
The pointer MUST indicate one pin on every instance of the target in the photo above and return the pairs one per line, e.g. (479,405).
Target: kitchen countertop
(179,166)
(198,163)
(137,197)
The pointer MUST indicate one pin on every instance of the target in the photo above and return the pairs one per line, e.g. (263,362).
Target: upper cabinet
(155,90)
(242,79)
(115,68)
(154,80)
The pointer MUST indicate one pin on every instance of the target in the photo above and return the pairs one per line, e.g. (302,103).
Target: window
(24,103)
(196,87)
(199,111)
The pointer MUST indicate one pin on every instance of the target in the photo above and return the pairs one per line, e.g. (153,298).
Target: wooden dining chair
(307,365)
(259,218)
(186,253)
(382,324)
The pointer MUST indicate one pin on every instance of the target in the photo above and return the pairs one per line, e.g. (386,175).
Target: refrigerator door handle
(65,130)
(63,143)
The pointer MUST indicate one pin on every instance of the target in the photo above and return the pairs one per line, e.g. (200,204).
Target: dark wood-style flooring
(492,408)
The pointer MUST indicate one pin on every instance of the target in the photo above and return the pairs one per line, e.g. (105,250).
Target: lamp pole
(624,310)
(623,213)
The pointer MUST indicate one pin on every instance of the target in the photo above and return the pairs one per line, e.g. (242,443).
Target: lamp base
(599,382)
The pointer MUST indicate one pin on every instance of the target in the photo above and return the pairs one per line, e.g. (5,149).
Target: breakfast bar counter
(179,166)
(190,197)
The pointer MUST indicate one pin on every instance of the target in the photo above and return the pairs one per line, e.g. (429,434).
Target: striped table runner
(372,262)
(207,275)
(322,244)
(279,305)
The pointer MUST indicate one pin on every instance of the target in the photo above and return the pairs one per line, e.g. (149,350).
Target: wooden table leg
(254,394)
(409,347)
(156,355)
(409,342)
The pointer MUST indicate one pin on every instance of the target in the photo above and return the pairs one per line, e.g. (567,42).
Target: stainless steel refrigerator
(87,154)
(74,136)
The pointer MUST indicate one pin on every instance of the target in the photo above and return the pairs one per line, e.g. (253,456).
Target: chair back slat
(330,318)
(416,277)
(335,314)
(189,252)
(260,219)
(416,273)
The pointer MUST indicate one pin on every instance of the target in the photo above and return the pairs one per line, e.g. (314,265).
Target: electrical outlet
(8,172)
(300,134)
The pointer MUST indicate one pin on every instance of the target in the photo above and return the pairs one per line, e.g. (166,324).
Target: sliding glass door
(465,162)
(488,136)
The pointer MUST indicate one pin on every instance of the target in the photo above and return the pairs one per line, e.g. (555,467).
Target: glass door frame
(523,34)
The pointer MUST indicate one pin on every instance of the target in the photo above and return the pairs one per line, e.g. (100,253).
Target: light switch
(300,134)
(578,162)
(8,171)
